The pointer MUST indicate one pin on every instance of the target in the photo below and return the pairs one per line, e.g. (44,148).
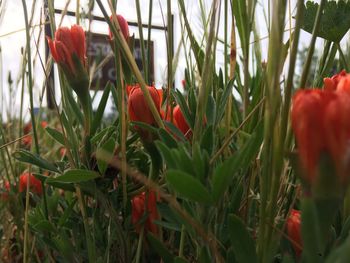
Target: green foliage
(335,19)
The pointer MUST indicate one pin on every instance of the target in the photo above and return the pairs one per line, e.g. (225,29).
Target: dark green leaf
(101,108)
(74,176)
(335,19)
(167,138)
(31,158)
(223,101)
(104,154)
(188,186)
(159,247)
(56,135)
(242,243)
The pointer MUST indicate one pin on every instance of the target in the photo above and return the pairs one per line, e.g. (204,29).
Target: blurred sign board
(99,53)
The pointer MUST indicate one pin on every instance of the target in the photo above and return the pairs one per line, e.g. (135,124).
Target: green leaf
(242,243)
(104,154)
(188,186)
(31,158)
(56,135)
(159,247)
(221,106)
(223,175)
(74,176)
(211,111)
(175,131)
(180,260)
(184,108)
(335,19)
(167,155)
(101,108)
(310,231)
(341,254)
(167,138)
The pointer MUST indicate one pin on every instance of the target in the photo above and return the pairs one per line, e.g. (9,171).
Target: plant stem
(90,245)
(342,57)
(129,57)
(142,42)
(182,241)
(310,52)
(204,91)
(139,245)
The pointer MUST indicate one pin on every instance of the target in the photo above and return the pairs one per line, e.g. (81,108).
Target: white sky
(12,40)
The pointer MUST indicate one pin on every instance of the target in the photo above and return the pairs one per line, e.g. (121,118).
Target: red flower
(332,83)
(69,43)
(35,184)
(180,122)
(123,24)
(320,124)
(139,203)
(138,107)
(5,192)
(27,129)
(294,231)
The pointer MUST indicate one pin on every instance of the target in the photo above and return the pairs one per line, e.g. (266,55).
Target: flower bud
(138,107)
(139,203)
(294,231)
(124,27)
(35,184)
(180,121)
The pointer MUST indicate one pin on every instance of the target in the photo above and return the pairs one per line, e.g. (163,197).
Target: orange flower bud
(180,122)
(139,203)
(294,231)
(138,107)
(67,43)
(35,184)
(123,24)
(332,83)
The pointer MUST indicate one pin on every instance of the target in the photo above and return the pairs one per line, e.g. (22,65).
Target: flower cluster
(25,178)
(139,110)
(320,121)
(142,204)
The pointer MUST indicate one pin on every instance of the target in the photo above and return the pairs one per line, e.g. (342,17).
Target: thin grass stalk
(205,76)
(269,172)
(30,79)
(89,241)
(77,13)
(142,42)
(225,42)
(26,229)
(150,12)
(233,61)
(292,62)
(123,127)
(129,57)
(310,52)
(170,53)
(342,57)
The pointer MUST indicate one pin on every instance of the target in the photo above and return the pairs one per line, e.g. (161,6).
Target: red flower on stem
(35,185)
(138,108)
(320,121)
(67,44)
(139,203)
(294,231)
(124,27)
